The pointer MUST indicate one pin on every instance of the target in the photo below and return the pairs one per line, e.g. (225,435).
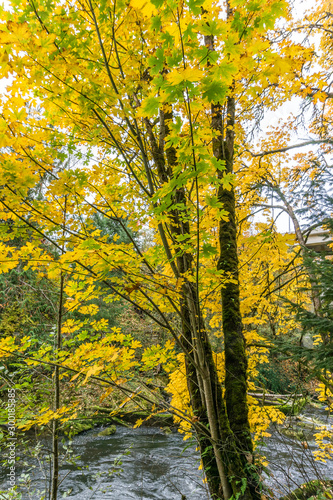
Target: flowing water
(291,461)
(156,466)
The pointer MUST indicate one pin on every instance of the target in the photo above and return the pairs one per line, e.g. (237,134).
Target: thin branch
(287,148)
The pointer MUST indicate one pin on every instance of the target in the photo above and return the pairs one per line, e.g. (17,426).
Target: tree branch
(287,148)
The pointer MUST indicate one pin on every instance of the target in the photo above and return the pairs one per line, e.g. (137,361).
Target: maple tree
(154,100)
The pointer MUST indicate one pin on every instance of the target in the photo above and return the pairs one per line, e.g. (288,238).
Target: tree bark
(234,342)
(55,424)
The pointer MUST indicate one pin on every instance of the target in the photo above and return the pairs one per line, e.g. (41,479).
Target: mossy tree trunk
(223,457)
(234,341)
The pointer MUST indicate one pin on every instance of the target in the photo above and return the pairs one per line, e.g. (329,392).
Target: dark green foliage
(317,326)
(112,227)
(273,377)
(26,304)
(322,323)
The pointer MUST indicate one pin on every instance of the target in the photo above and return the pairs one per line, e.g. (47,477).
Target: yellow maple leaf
(189,75)
(92,371)
(145,7)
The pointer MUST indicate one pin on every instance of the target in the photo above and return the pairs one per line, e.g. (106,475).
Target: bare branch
(287,148)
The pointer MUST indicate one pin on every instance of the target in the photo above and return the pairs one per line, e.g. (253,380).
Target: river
(155,465)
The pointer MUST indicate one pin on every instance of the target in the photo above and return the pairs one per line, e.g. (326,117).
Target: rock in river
(108,431)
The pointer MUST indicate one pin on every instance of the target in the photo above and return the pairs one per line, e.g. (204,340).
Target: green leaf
(167,39)
(213,201)
(150,106)
(206,55)
(156,62)
(208,250)
(90,244)
(218,164)
(183,237)
(253,6)
(157,3)
(214,91)
(212,27)
(156,22)
(195,6)
(175,58)
(228,181)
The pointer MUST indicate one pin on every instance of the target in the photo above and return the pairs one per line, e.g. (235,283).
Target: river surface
(146,464)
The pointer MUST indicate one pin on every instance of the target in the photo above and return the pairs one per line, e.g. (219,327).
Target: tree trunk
(55,424)
(225,458)
(234,342)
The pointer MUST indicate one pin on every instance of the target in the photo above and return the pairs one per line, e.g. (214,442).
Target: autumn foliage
(147,114)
